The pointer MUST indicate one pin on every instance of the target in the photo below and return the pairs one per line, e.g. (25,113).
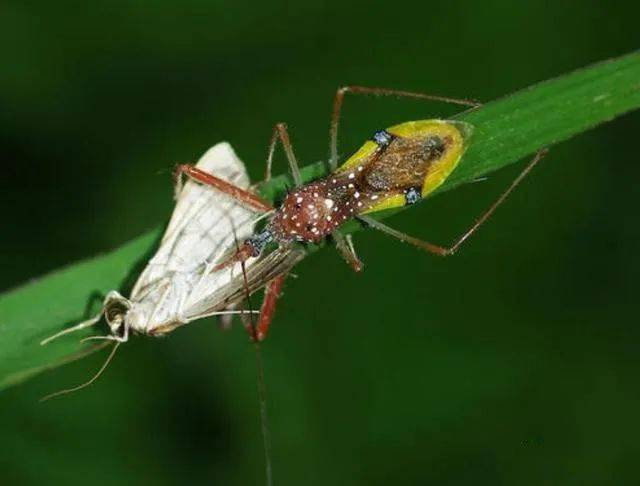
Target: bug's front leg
(281,133)
(344,245)
(267,310)
(243,196)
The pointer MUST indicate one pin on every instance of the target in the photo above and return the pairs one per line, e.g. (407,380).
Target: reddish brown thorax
(312,212)
(307,214)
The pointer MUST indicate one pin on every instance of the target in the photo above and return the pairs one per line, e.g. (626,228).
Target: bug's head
(257,242)
(116,308)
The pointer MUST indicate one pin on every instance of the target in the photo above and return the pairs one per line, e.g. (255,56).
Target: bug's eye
(298,205)
(309,227)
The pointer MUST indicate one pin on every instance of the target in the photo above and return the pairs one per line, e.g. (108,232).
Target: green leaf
(506,131)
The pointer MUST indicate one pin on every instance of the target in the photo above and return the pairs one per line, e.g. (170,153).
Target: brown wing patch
(404,163)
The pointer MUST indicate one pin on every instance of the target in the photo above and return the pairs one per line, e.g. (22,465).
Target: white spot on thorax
(328,203)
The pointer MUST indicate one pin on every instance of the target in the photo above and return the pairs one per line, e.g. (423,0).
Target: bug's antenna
(262,388)
(87,383)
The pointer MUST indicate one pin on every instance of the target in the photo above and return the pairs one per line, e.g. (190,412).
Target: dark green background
(515,362)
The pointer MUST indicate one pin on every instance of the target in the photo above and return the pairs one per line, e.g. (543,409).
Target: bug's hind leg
(339,99)
(447,251)
(344,244)
(280,132)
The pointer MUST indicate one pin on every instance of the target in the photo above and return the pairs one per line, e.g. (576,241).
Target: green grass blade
(506,131)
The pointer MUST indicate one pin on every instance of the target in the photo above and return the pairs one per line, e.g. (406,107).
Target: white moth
(177,285)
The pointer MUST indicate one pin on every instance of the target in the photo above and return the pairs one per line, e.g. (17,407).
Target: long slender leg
(241,195)
(447,251)
(280,132)
(352,249)
(110,337)
(346,249)
(268,308)
(339,99)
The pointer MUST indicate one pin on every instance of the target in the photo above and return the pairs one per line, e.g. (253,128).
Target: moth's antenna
(90,322)
(94,378)
(262,388)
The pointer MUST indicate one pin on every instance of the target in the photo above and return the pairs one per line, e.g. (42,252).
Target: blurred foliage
(513,363)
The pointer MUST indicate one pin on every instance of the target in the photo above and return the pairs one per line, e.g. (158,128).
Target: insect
(177,286)
(397,167)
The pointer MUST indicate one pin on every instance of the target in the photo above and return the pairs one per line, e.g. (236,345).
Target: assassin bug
(399,166)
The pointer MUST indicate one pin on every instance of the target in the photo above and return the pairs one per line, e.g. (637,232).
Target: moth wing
(221,161)
(204,224)
(219,290)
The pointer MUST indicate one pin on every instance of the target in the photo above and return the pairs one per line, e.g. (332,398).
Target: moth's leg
(118,339)
(339,99)
(344,244)
(280,132)
(268,308)
(225,320)
(83,325)
(447,251)
(241,195)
